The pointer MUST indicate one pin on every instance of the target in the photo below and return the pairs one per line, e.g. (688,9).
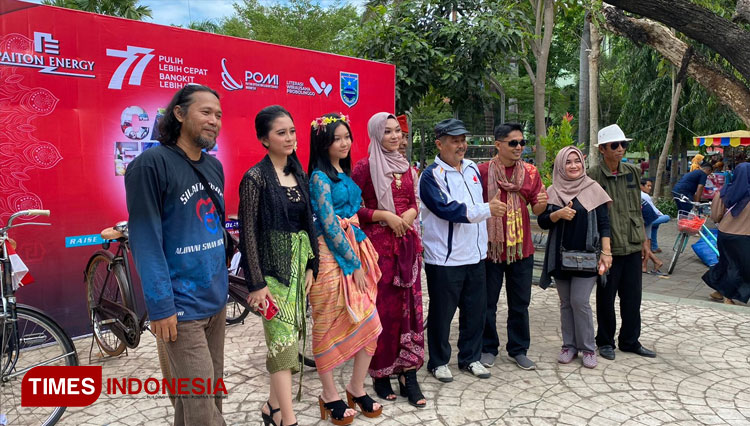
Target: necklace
(397,177)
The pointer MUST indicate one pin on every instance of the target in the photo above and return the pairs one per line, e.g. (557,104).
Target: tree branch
(729,90)
(722,35)
(529,71)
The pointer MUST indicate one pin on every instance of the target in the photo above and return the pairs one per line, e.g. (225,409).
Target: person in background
(695,163)
(345,318)
(455,246)
(388,216)
(629,247)
(170,210)
(729,210)
(647,185)
(511,250)
(573,197)
(691,186)
(278,259)
(643,163)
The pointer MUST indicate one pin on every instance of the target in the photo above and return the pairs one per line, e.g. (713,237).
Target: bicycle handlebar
(683,198)
(32,212)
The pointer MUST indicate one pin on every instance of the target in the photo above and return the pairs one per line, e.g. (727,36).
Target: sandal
(383,389)
(335,410)
(268,418)
(410,388)
(365,403)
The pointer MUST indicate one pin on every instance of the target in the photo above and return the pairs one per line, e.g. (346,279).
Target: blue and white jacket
(453,214)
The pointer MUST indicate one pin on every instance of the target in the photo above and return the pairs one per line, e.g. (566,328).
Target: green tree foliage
(129,9)
(448,46)
(647,92)
(558,137)
(297,23)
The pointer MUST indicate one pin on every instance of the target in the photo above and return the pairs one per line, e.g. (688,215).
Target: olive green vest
(625,217)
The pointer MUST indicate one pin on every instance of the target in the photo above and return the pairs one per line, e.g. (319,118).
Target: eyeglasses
(514,144)
(615,145)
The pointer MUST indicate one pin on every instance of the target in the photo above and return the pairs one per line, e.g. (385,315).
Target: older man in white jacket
(455,246)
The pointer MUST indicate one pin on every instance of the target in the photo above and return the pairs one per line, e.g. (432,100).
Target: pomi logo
(253,79)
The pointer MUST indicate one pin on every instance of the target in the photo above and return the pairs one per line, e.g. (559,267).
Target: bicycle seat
(111,234)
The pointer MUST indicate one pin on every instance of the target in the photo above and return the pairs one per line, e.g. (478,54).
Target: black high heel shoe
(383,389)
(268,418)
(410,388)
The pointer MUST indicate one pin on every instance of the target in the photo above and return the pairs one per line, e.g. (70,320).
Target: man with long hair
(175,227)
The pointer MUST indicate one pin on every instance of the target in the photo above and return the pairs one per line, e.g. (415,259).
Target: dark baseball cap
(450,126)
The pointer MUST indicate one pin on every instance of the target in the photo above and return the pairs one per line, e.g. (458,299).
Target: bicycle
(690,224)
(111,301)
(30,338)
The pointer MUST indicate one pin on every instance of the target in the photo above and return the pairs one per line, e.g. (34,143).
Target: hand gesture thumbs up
(497,207)
(567,212)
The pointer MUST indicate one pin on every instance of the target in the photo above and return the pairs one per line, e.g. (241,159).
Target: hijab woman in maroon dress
(388,217)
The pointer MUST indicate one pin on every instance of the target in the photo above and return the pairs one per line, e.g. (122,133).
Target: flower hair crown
(322,122)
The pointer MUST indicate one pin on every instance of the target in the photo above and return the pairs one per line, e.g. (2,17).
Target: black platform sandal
(366,404)
(335,410)
(383,389)
(268,418)
(410,388)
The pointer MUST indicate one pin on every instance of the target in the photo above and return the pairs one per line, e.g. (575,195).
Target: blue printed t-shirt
(343,199)
(690,182)
(175,234)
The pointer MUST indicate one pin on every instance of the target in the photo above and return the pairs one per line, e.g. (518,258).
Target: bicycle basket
(689,223)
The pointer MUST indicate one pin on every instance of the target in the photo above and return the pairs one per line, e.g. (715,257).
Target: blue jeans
(655,228)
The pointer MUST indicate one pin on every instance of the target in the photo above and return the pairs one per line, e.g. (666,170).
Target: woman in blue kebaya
(345,319)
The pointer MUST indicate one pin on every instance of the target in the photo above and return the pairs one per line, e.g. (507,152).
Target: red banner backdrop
(81,96)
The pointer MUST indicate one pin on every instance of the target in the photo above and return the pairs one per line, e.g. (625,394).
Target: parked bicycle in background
(30,338)
(689,224)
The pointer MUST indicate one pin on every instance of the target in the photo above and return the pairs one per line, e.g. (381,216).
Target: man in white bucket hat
(628,244)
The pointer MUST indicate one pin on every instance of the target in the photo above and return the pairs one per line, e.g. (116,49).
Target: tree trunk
(675,173)
(540,80)
(583,85)
(594,93)
(728,90)
(676,90)
(722,35)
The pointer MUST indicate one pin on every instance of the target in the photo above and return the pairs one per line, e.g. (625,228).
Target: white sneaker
(476,368)
(443,373)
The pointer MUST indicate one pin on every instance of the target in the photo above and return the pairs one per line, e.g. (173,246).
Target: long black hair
(170,126)
(320,140)
(263,121)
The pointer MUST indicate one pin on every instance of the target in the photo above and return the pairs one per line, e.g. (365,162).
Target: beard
(205,143)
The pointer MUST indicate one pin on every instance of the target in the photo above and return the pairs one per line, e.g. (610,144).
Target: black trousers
(624,280)
(452,287)
(518,290)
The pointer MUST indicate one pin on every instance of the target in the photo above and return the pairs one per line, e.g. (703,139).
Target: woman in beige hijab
(388,216)
(575,201)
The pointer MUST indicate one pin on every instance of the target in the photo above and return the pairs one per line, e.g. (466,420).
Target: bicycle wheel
(236,313)
(40,341)
(237,308)
(105,280)
(679,246)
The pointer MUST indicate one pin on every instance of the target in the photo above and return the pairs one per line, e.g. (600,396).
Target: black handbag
(230,242)
(582,261)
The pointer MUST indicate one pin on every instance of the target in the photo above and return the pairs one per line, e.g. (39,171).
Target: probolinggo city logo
(253,80)
(43,53)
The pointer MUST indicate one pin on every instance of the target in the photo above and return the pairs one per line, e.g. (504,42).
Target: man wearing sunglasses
(629,246)
(510,251)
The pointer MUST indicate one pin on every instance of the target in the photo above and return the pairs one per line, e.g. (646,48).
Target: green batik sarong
(285,330)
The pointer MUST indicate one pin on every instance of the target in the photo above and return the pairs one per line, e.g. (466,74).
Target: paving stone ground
(701,375)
